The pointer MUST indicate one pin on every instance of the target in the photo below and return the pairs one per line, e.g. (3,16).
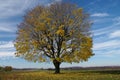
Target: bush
(7,68)
(1,68)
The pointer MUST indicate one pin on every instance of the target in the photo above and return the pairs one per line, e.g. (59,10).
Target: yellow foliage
(72,45)
(59,59)
(60,27)
(52,59)
(60,32)
(49,46)
(70,21)
(53,26)
(48,30)
(67,59)
(42,59)
(39,26)
(80,10)
(71,32)
(35,43)
(64,45)
(21,30)
(87,42)
(43,41)
(48,19)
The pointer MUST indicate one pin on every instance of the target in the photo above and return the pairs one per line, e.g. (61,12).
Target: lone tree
(59,33)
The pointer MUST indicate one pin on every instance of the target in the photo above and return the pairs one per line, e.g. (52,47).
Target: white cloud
(108,53)
(8,26)
(6,45)
(117,19)
(107,30)
(6,53)
(58,0)
(100,15)
(115,34)
(114,52)
(114,25)
(5,29)
(9,8)
(6,49)
(53,1)
(2,35)
(108,48)
(106,45)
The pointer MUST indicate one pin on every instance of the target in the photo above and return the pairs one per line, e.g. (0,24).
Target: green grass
(65,75)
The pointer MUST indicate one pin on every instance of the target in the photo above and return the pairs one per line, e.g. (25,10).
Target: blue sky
(105,15)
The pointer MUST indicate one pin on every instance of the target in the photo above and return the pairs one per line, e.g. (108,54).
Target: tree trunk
(57,66)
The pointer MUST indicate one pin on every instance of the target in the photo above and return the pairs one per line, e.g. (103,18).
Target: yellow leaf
(60,32)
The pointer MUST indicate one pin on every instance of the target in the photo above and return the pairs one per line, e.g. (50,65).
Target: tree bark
(57,66)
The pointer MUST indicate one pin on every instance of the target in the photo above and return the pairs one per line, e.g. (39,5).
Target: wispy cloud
(9,8)
(115,34)
(100,15)
(109,48)
(106,38)
(107,30)
(53,1)
(6,49)
(7,45)
(108,53)
(117,19)
(8,26)
(5,29)
(6,53)
(9,35)
(106,45)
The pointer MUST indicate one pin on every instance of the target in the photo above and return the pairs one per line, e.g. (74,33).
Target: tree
(59,33)
(1,68)
(7,68)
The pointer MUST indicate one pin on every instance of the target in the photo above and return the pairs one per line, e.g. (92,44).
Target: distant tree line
(6,68)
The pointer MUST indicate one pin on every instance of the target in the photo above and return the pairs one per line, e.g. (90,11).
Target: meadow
(65,75)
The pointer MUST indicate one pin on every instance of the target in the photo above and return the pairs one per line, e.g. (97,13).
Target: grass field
(65,75)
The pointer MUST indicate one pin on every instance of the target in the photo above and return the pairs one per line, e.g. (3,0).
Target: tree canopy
(59,33)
